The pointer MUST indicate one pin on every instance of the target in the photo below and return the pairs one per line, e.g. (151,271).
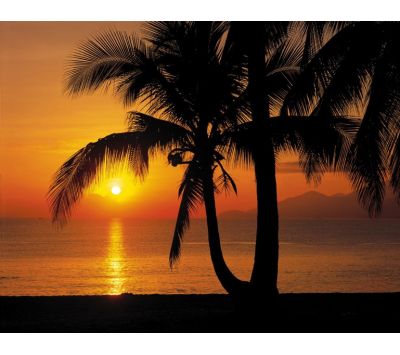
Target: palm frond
(275,33)
(320,70)
(314,34)
(395,168)
(148,135)
(370,151)
(158,93)
(109,56)
(155,136)
(81,170)
(392,112)
(236,110)
(282,69)
(116,58)
(323,143)
(285,57)
(190,60)
(160,134)
(191,192)
(233,50)
(237,143)
(163,33)
(224,181)
(346,90)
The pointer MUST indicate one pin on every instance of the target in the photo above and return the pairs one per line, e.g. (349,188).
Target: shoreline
(293,312)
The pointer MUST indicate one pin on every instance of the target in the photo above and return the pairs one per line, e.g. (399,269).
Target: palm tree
(276,54)
(187,88)
(198,103)
(358,70)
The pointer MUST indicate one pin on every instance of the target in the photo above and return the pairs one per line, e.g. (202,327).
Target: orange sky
(40,127)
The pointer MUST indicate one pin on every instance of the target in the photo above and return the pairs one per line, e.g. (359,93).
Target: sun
(119,188)
(116,190)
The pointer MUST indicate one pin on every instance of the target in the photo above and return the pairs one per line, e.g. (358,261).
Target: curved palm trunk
(229,282)
(265,270)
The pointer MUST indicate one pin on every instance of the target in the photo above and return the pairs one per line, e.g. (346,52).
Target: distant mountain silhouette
(313,204)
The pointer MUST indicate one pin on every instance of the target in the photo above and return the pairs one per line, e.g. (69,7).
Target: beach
(115,277)
(329,312)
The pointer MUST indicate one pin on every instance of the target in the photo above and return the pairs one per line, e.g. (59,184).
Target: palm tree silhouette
(276,54)
(199,99)
(188,88)
(359,70)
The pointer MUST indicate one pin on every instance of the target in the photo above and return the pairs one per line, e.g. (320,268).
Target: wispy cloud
(290,167)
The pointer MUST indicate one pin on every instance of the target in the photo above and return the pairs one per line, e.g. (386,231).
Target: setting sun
(116,185)
(116,190)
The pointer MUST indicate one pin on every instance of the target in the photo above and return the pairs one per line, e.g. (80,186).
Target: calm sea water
(119,256)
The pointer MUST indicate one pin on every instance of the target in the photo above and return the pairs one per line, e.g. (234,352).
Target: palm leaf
(159,133)
(109,56)
(191,192)
(282,69)
(224,181)
(237,143)
(148,135)
(322,143)
(81,170)
(320,70)
(127,62)
(371,148)
(314,34)
(395,168)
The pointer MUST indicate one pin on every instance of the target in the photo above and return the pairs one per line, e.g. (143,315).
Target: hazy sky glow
(41,127)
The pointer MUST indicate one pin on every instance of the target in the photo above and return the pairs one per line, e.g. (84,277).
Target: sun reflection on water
(115,262)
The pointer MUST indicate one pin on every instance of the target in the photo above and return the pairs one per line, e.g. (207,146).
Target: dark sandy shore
(201,313)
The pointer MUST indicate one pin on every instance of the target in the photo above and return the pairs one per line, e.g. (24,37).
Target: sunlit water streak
(115,261)
(116,256)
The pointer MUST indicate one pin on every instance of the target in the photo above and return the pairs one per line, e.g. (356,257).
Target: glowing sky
(40,127)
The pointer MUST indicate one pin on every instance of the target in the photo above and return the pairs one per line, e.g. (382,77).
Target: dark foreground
(201,313)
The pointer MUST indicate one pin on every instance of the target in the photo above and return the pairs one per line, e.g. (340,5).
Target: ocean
(121,256)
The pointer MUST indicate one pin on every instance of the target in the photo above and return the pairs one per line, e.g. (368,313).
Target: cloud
(290,167)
